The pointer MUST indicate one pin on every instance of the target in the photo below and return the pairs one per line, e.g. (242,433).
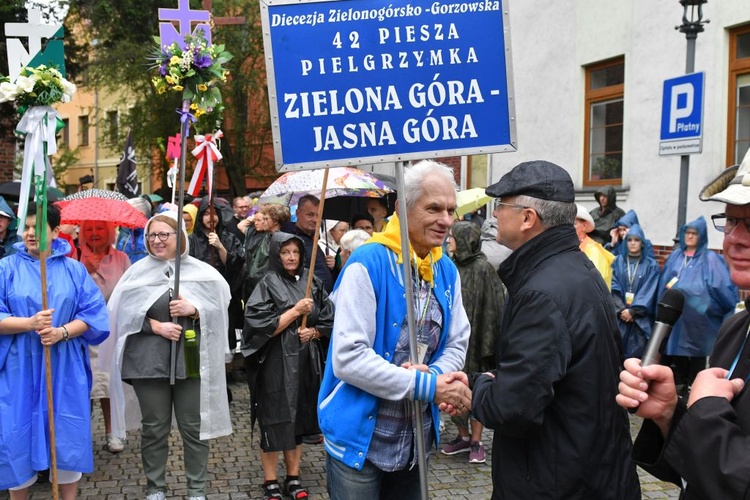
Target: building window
(113,123)
(64,134)
(605,96)
(83,130)
(738,128)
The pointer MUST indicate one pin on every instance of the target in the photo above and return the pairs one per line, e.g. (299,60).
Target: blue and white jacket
(370,305)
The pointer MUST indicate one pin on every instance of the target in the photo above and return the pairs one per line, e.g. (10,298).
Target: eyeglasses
(499,203)
(162,236)
(727,224)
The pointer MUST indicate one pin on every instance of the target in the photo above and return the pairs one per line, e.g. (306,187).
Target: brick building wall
(7,147)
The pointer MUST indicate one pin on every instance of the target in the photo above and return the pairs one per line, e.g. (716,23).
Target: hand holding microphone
(668,311)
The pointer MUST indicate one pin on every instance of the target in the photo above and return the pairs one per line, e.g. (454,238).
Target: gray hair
(415,175)
(142,205)
(351,240)
(551,213)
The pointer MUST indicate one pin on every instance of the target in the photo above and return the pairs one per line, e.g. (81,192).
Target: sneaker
(114,445)
(476,455)
(458,445)
(159,495)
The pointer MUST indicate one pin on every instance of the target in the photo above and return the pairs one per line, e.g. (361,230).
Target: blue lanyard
(737,358)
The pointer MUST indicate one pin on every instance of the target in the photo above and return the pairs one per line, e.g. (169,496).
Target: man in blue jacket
(558,432)
(364,405)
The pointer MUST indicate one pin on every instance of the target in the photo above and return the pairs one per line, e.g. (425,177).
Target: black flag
(127,177)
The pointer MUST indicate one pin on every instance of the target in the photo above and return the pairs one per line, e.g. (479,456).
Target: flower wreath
(193,67)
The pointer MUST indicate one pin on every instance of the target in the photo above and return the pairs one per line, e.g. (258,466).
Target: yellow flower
(174,60)
(193,106)
(178,87)
(199,113)
(203,87)
(160,90)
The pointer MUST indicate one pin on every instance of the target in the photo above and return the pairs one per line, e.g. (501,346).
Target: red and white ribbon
(207,152)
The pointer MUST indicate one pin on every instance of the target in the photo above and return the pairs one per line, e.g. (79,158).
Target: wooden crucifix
(223,21)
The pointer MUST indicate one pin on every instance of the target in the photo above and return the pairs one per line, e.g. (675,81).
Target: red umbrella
(120,212)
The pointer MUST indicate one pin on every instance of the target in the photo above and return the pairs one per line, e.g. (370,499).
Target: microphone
(668,311)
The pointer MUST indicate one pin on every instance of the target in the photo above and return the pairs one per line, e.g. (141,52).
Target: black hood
(223,211)
(278,240)
(611,195)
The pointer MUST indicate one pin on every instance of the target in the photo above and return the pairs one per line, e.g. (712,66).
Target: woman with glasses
(703,276)
(148,320)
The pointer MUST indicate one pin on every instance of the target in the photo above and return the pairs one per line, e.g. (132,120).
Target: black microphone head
(669,308)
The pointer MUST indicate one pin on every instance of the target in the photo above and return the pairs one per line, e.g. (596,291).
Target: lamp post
(692,24)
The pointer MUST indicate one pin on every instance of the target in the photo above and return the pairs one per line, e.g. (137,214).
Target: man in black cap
(551,400)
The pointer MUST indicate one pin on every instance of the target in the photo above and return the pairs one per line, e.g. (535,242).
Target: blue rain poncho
(628,220)
(709,294)
(24,446)
(639,276)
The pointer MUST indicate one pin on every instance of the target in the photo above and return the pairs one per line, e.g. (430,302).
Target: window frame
(84,131)
(737,68)
(596,96)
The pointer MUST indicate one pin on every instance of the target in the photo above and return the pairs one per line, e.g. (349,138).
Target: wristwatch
(65,334)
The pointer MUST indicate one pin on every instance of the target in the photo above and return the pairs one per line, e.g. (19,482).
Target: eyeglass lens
(162,236)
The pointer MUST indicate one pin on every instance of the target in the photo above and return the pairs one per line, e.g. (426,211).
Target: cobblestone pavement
(234,469)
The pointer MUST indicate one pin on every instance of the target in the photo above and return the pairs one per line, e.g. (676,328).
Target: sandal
(294,489)
(271,491)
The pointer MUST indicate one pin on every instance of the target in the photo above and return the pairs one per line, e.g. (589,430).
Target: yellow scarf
(391,238)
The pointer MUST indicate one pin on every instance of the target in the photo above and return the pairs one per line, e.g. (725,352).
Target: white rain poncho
(136,292)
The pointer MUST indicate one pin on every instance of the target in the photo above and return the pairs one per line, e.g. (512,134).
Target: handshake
(452,393)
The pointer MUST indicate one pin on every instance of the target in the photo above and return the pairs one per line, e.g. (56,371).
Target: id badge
(629,296)
(671,283)
(421,351)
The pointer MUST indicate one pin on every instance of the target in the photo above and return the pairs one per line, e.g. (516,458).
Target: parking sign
(682,115)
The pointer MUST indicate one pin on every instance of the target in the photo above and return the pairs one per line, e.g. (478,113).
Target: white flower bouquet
(40,86)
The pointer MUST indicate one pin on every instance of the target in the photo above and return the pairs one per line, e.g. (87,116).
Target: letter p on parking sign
(682,115)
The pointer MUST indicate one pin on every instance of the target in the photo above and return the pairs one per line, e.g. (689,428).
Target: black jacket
(605,218)
(559,433)
(284,373)
(709,444)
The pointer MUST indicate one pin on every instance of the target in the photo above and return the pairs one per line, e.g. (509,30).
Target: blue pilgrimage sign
(682,115)
(360,82)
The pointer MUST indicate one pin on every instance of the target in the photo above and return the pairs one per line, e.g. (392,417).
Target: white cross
(34,30)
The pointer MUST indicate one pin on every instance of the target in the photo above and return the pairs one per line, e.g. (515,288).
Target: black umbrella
(11,190)
(345,207)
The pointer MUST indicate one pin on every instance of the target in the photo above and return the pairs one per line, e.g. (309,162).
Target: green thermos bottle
(192,356)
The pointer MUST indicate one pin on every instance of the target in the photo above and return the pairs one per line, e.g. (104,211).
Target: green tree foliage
(121,34)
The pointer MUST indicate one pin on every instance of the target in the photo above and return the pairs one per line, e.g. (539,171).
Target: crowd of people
(523,323)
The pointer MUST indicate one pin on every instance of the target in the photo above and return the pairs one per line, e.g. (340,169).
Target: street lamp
(692,24)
